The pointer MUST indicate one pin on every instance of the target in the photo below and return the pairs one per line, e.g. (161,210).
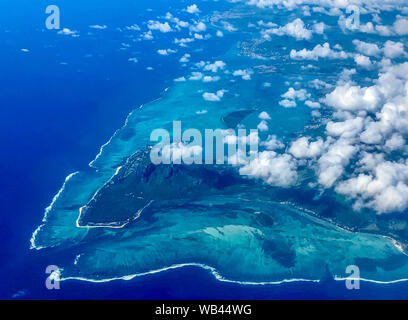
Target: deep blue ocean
(58,105)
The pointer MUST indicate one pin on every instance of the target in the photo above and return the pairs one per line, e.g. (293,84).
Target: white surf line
(218,277)
(370,280)
(213,271)
(398,245)
(139,212)
(108,225)
(101,149)
(47,210)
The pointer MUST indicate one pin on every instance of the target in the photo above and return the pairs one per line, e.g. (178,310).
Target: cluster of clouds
(368,5)
(363,152)
(320,51)
(244,74)
(191,27)
(363,58)
(389,50)
(69,32)
(207,70)
(291,96)
(369,126)
(210,96)
(295,29)
(398,28)
(275,169)
(166,52)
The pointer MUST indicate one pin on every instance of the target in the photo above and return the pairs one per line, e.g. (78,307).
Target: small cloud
(287,103)
(219,34)
(211,79)
(198,27)
(193,9)
(264,116)
(147,35)
(133,27)
(165,52)
(68,32)
(156,25)
(99,27)
(244,74)
(209,96)
(185,58)
(263,126)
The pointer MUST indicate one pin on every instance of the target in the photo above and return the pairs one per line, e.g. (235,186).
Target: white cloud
(68,32)
(209,96)
(264,116)
(185,58)
(183,41)
(181,79)
(368,49)
(193,9)
(147,35)
(213,67)
(272,143)
(319,27)
(296,94)
(312,104)
(302,148)
(228,26)
(384,189)
(165,52)
(294,29)
(211,78)
(244,74)
(401,26)
(394,49)
(196,76)
(348,97)
(156,25)
(263,126)
(100,27)
(274,169)
(363,61)
(332,164)
(318,52)
(198,27)
(345,129)
(287,103)
(133,27)
(319,84)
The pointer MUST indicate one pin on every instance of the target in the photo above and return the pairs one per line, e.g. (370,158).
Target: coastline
(47,210)
(91,165)
(214,272)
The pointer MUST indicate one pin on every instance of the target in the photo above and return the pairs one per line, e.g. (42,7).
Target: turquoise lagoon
(240,228)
